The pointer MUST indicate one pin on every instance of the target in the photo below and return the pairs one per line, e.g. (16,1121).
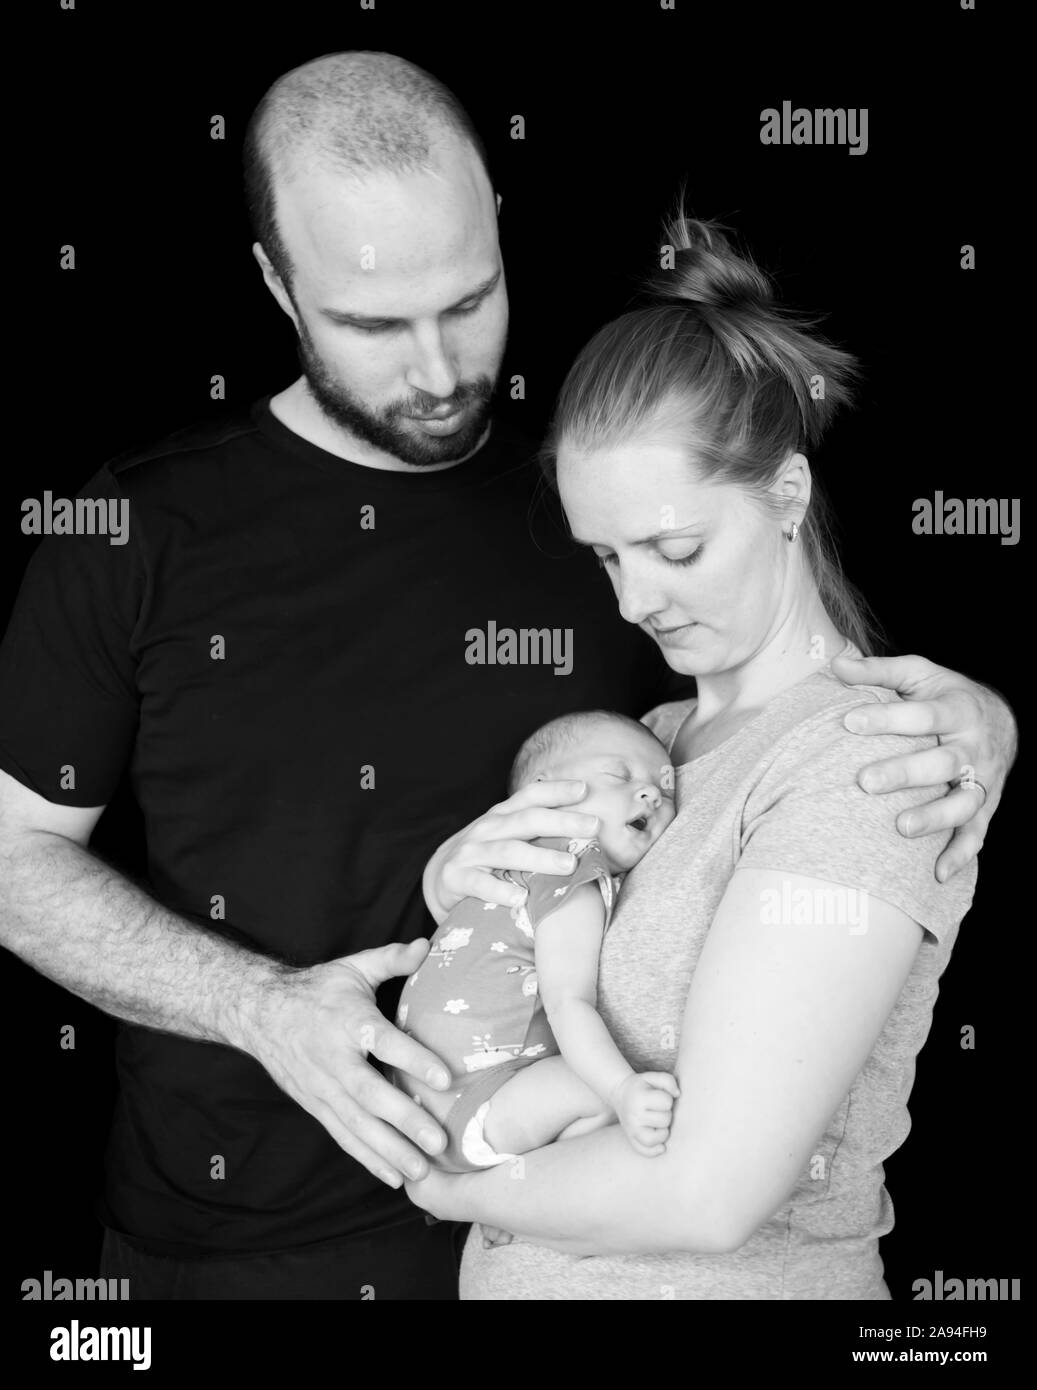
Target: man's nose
(432,369)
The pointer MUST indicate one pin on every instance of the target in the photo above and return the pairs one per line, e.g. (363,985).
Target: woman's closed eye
(688,559)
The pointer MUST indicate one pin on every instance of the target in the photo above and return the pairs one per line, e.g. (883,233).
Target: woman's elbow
(714,1217)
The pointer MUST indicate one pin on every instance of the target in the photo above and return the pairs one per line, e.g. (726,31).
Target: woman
(779,947)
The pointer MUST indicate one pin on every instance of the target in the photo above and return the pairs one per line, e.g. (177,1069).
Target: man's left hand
(977,745)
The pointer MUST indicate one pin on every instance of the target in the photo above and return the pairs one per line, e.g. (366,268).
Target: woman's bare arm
(778,1022)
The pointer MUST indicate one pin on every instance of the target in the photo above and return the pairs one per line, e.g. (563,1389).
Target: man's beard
(381,430)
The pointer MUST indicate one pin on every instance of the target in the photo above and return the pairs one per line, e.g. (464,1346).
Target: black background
(621,102)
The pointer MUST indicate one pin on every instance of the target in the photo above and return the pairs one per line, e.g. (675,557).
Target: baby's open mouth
(641,823)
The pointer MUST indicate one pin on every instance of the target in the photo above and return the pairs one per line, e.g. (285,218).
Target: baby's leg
(541,1103)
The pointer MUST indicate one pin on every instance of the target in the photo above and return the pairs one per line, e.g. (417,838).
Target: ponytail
(745,380)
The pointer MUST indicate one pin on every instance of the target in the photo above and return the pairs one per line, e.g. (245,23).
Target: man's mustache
(480,390)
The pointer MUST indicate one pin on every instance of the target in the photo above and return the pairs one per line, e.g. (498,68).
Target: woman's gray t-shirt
(781,794)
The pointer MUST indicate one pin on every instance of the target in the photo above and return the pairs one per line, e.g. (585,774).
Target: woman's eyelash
(604,560)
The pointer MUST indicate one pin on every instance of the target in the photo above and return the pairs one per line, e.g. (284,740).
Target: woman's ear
(793,485)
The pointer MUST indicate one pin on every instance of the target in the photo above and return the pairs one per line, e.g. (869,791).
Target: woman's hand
(441,1195)
(461,867)
(977,745)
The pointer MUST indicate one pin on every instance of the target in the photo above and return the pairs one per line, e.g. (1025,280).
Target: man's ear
(274,283)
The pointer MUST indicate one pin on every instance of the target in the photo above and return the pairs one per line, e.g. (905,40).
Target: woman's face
(701,567)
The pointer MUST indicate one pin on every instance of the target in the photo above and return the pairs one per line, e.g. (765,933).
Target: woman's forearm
(596,1196)
(430,879)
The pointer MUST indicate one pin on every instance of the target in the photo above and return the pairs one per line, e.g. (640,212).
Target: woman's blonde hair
(712,359)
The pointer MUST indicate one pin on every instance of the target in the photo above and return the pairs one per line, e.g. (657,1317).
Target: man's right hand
(313,1029)
(461,868)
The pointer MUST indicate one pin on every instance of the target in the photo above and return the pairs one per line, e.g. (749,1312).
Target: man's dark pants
(410,1261)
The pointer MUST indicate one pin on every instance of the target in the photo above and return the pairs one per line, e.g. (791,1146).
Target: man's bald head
(353,114)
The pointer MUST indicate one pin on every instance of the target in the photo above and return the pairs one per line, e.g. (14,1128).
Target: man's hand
(461,868)
(643,1102)
(313,1029)
(977,744)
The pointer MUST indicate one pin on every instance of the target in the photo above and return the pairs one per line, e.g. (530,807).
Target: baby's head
(628,775)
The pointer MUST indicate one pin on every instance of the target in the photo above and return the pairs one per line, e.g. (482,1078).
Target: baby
(507,996)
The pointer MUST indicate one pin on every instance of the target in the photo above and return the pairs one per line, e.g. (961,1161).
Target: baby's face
(629,788)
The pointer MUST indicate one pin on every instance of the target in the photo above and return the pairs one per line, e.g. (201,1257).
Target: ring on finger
(971,784)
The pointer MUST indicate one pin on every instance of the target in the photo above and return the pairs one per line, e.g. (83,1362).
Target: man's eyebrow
(344,316)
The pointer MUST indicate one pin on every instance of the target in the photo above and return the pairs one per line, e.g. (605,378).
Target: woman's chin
(686,663)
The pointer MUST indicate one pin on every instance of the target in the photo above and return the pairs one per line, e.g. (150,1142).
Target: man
(281,657)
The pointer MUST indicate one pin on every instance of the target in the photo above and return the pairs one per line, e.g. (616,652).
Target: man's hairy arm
(79,922)
(83,925)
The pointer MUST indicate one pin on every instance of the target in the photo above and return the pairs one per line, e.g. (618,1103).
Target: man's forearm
(79,922)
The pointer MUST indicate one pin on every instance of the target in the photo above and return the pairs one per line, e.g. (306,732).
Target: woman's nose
(637,601)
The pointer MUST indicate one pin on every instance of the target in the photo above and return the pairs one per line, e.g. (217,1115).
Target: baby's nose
(651,794)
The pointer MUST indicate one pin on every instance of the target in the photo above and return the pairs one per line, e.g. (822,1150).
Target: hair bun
(707,271)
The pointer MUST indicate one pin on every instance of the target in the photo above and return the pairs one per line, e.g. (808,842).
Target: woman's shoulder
(664,720)
(813,713)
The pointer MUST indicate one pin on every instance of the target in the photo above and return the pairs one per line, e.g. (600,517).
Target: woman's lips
(670,634)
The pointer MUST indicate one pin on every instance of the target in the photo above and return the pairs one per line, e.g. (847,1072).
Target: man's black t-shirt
(284,656)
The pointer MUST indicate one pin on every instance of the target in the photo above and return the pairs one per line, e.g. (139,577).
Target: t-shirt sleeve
(808,816)
(549,891)
(68,697)
(664,720)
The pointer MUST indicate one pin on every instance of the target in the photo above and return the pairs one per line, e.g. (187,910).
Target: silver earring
(792,532)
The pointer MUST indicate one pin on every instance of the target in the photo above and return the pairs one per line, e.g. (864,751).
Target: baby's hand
(644,1107)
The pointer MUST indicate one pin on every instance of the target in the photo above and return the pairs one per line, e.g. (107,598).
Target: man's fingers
(394,1151)
(382,963)
(965,844)
(957,808)
(935,767)
(911,717)
(356,1148)
(378,1097)
(899,673)
(377,1036)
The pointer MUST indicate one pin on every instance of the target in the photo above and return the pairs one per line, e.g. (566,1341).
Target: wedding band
(972,784)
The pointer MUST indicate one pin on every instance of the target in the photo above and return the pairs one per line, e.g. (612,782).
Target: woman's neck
(801,645)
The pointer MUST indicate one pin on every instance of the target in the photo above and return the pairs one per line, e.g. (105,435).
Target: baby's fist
(644,1107)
